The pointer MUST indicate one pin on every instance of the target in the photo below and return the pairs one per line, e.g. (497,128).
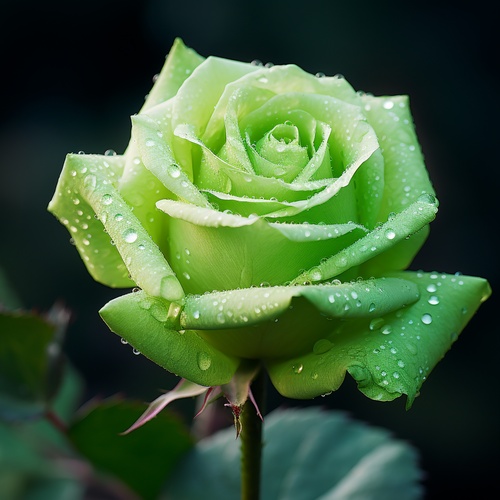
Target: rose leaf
(300,462)
(142,459)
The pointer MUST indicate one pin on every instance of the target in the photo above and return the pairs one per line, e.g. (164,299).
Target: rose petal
(290,319)
(200,93)
(406,177)
(179,65)
(251,249)
(376,242)
(158,159)
(392,354)
(149,325)
(86,187)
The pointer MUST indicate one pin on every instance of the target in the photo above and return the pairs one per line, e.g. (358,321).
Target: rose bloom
(265,217)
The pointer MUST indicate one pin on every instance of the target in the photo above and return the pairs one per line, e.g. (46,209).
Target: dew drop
(196,314)
(433,300)
(412,348)
(136,351)
(372,307)
(431,288)
(123,341)
(130,235)
(376,324)
(174,171)
(426,319)
(427,198)
(204,361)
(388,105)
(107,199)
(386,329)
(298,368)
(159,312)
(316,274)
(390,234)
(322,346)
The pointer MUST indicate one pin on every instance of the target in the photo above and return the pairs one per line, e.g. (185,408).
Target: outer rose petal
(86,188)
(393,354)
(150,325)
(204,340)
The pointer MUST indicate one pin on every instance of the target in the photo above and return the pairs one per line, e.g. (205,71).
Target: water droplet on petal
(390,234)
(130,235)
(322,346)
(386,329)
(426,319)
(204,361)
(376,324)
(428,198)
(174,171)
(107,199)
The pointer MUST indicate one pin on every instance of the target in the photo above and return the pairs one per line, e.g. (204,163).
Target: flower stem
(251,441)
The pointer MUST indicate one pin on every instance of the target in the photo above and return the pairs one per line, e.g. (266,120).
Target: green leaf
(8,297)
(391,354)
(27,473)
(30,361)
(149,325)
(142,459)
(309,454)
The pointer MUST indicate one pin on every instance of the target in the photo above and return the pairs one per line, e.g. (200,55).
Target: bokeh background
(74,72)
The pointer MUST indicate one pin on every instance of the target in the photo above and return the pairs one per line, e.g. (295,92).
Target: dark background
(74,72)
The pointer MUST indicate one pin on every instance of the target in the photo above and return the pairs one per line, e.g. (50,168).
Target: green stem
(251,441)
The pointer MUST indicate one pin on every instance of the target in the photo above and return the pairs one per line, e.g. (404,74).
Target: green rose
(266,216)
